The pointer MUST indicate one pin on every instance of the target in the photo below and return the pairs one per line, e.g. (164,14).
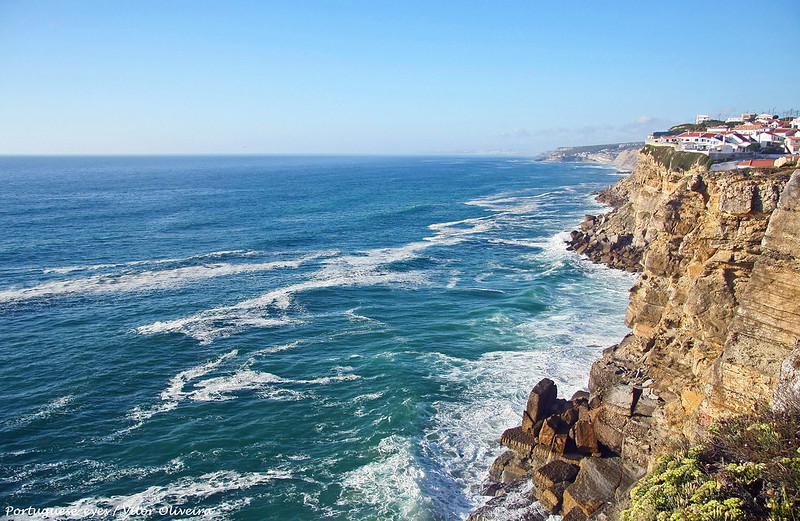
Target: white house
(749,129)
(729,143)
(792,144)
(769,139)
(784,132)
(701,118)
(796,123)
(695,140)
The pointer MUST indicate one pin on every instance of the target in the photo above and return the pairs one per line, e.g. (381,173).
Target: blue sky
(380,77)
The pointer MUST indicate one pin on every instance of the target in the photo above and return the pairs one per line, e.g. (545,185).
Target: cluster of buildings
(758,137)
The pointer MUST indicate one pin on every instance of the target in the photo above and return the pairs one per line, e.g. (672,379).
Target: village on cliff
(751,140)
(693,415)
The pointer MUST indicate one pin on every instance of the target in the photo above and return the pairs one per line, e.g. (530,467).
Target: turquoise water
(255,338)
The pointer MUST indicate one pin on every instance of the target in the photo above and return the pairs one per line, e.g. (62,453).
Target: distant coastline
(624,156)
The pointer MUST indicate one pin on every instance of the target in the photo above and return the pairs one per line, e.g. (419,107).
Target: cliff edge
(715,332)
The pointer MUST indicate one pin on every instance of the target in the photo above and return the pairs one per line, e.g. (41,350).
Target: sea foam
(46,411)
(186,497)
(364,268)
(210,255)
(123,282)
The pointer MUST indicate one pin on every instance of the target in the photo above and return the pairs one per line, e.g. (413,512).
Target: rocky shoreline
(715,331)
(555,457)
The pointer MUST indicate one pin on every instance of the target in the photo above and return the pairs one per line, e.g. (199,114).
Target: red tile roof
(757,163)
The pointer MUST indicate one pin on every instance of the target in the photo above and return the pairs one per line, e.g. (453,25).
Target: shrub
(676,159)
(748,468)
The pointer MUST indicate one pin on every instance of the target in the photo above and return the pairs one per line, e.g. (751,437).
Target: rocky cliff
(622,155)
(715,332)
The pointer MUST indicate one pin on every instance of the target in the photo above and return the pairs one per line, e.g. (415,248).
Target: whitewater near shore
(284,338)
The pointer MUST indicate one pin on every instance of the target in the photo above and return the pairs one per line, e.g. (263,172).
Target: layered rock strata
(715,332)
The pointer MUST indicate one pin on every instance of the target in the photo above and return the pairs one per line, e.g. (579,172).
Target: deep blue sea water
(293,338)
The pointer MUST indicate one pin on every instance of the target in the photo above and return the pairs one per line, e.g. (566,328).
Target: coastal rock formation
(612,247)
(627,160)
(715,332)
(622,155)
(715,313)
(556,458)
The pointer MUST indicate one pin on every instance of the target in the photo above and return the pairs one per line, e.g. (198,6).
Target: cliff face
(715,330)
(622,155)
(627,159)
(716,311)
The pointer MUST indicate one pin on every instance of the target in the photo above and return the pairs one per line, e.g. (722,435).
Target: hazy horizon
(366,78)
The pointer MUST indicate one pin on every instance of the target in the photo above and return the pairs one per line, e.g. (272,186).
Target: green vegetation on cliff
(699,127)
(676,160)
(747,469)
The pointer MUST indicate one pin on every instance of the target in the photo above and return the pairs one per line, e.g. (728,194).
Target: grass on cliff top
(678,160)
(699,127)
(747,469)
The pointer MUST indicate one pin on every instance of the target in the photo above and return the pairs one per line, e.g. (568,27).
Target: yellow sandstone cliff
(715,331)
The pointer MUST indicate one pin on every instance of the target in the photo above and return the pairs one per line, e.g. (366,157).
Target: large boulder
(586,438)
(541,399)
(518,440)
(595,485)
(557,471)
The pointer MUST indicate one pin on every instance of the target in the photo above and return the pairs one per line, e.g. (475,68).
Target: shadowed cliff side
(715,328)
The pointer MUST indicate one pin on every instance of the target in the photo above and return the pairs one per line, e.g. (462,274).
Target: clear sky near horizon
(380,77)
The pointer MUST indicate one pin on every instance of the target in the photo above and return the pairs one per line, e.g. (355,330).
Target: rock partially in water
(515,503)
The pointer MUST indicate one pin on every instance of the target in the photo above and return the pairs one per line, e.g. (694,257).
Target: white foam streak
(174,393)
(145,280)
(457,229)
(508,204)
(156,501)
(277,349)
(219,322)
(392,480)
(93,267)
(190,385)
(46,411)
(219,388)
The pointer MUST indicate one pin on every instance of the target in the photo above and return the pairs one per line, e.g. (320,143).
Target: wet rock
(516,504)
(496,470)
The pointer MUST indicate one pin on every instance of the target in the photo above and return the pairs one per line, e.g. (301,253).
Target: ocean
(284,338)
